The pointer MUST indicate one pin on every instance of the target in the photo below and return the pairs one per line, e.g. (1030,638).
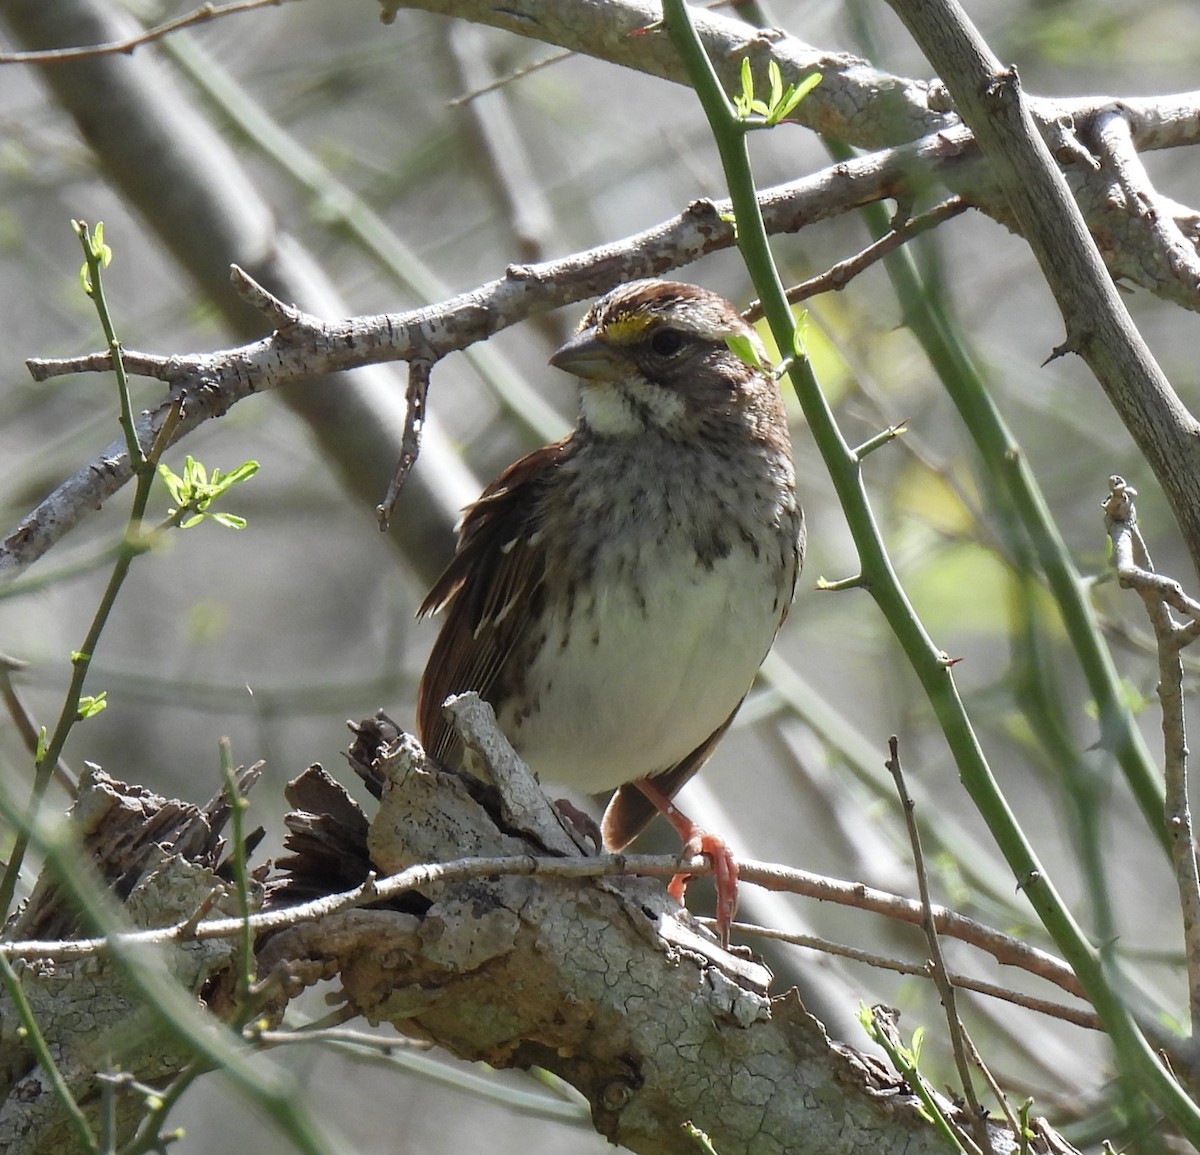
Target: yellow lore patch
(627,328)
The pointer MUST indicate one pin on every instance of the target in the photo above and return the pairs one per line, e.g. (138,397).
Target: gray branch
(1098,326)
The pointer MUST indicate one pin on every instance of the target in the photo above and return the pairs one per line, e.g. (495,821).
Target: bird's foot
(697,841)
(725,876)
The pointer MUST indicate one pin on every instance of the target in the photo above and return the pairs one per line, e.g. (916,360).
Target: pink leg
(697,841)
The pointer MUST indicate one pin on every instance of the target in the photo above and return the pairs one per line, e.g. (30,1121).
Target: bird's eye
(666,342)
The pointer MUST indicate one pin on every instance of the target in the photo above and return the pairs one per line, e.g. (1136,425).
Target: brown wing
(629,811)
(488,592)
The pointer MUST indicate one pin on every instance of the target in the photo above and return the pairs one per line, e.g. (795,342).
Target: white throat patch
(629,407)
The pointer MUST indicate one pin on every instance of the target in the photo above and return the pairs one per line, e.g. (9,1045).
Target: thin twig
(385,1044)
(1074,1015)
(149,1133)
(524,70)
(838,276)
(126,46)
(26,727)
(994,1086)
(410,1054)
(419,370)
(937,963)
(108,1109)
(1131,559)
(1006,949)
(508,78)
(237,809)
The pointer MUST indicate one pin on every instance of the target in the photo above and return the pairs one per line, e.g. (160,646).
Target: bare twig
(838,276)
(128,44)
(1074,1015)
(408,1053)
(1006,949)
(385,1044)
(1131,559)
(419,371)
(476,91)
(937,964)
(994,1086)
(1159,594)
(26,726)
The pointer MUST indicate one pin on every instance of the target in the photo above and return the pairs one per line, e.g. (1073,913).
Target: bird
(613,594)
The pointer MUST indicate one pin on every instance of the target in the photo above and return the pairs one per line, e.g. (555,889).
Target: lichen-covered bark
(604,981)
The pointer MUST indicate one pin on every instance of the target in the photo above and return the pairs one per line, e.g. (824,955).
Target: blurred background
(358,168)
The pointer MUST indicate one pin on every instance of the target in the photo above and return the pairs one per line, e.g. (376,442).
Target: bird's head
(653,355)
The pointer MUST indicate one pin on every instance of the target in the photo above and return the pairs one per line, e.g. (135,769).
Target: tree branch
(304,346)
(538,966)
(1099,328)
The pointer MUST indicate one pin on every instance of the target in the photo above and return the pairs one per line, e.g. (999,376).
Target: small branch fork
(1161,595)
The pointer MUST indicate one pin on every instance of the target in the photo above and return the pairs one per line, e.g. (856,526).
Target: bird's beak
(588,357)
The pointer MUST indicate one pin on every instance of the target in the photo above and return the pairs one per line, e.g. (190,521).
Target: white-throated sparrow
(614,594)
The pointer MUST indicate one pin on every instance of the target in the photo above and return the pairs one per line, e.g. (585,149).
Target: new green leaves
(194,492)
(743,348)
(780,103)
(96,253)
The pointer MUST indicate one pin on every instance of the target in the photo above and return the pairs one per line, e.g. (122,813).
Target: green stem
(237,808)
(94,255)
(1033,539)
(1004,460)
(149,1132)
(69,715)
(1132,1048)
(131,544)
(919,1084)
